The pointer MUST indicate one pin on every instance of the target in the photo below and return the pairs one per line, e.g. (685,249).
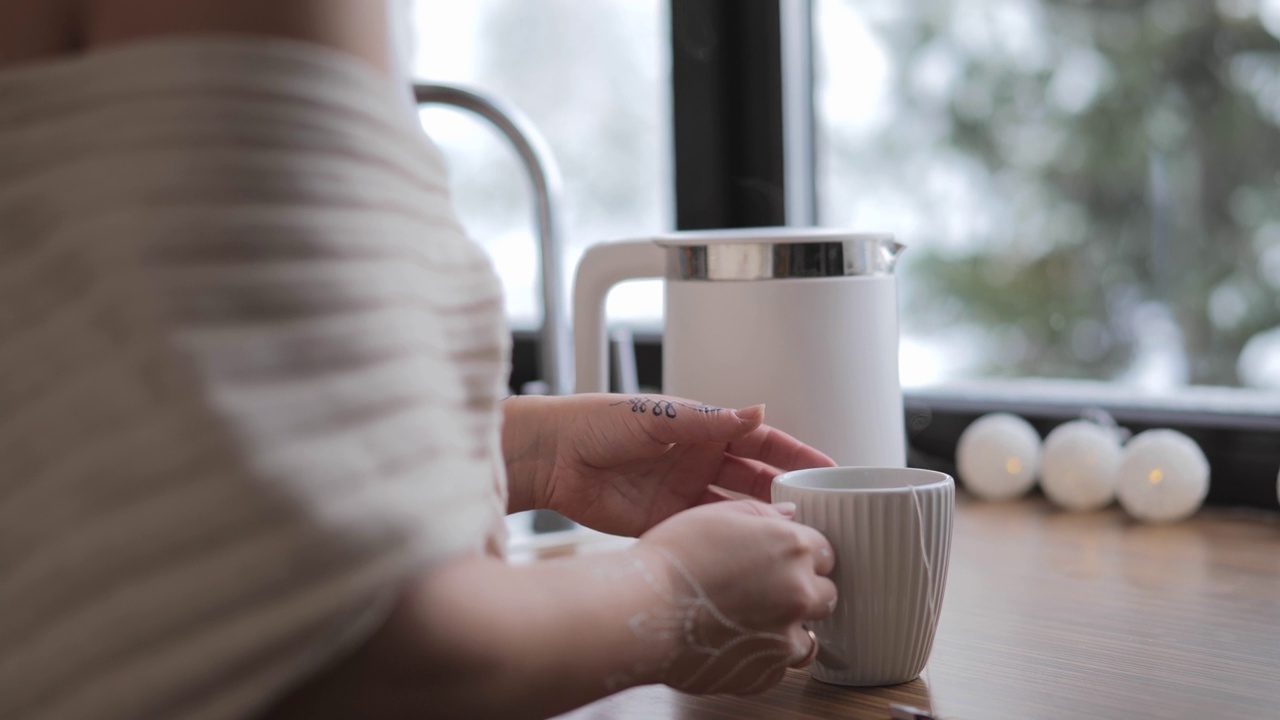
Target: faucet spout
(544,175)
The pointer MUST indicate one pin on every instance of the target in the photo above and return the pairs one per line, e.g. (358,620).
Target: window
(1088,190)
(594,78)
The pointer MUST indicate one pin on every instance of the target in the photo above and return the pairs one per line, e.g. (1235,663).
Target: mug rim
(940,479)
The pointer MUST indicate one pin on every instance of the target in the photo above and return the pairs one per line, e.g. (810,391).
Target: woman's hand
(622,464)
(744,578)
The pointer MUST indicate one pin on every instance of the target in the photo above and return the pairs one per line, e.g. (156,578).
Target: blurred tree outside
(1090,189)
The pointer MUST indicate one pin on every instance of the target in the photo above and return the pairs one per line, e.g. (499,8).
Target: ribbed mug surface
(892,549)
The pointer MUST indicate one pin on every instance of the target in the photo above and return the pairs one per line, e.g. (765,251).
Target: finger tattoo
(665,408)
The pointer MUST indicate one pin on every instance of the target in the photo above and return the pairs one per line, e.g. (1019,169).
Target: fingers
(808,541)
(814,595)
(749,477)
(824,600)
(771,446)
(669,420)
(824,557)
(820,597)
(804,647)
(782,511)
(715,494)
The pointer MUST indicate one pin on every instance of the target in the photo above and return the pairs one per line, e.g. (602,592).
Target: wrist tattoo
(668,408)
(711,652)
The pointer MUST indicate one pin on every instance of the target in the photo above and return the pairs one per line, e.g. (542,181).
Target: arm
(479,638)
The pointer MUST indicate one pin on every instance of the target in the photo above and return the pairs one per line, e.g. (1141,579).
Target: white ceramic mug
(891,531)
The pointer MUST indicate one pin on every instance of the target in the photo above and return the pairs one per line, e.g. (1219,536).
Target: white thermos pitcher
(804,320)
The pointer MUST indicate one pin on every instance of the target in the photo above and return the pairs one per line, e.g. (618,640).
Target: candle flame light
(1163,476)
(998,456)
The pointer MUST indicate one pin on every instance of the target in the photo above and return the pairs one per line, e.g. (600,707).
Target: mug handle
(601,267)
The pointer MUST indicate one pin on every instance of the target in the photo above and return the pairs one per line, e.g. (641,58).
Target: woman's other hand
(743,577)
(622,464)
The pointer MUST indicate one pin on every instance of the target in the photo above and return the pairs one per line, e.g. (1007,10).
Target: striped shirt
(249,373)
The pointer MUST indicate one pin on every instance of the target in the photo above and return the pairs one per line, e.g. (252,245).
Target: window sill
(1201,406)
(1239,430)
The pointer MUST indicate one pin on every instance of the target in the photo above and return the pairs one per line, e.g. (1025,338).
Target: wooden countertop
(1051,615)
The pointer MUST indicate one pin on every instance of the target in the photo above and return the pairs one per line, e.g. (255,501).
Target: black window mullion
(728,113)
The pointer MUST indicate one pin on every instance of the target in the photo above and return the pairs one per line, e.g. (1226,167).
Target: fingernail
(786,508)
(751,414)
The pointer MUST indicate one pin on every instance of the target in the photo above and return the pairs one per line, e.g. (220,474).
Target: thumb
(674,420)
(784,510)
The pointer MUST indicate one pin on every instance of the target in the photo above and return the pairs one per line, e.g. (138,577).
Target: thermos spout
(892,250)
(872,256)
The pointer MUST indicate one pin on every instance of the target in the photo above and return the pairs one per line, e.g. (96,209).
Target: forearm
(479,638)
(552,636)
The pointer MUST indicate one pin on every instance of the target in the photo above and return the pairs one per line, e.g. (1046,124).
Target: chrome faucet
(556,351)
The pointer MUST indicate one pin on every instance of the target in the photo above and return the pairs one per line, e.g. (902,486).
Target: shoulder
(34,31)
(360,29)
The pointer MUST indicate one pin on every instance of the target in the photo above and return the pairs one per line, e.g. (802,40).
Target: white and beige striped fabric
(249,374)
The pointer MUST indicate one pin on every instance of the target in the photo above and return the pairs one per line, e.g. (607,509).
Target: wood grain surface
(1050,615)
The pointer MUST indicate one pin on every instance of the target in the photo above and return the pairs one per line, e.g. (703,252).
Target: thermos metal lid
(777,253)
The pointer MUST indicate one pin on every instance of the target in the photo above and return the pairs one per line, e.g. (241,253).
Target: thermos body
(820,353)
(803,320)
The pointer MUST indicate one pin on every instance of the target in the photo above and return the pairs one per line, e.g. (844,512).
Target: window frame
(734,73)
(739,99)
